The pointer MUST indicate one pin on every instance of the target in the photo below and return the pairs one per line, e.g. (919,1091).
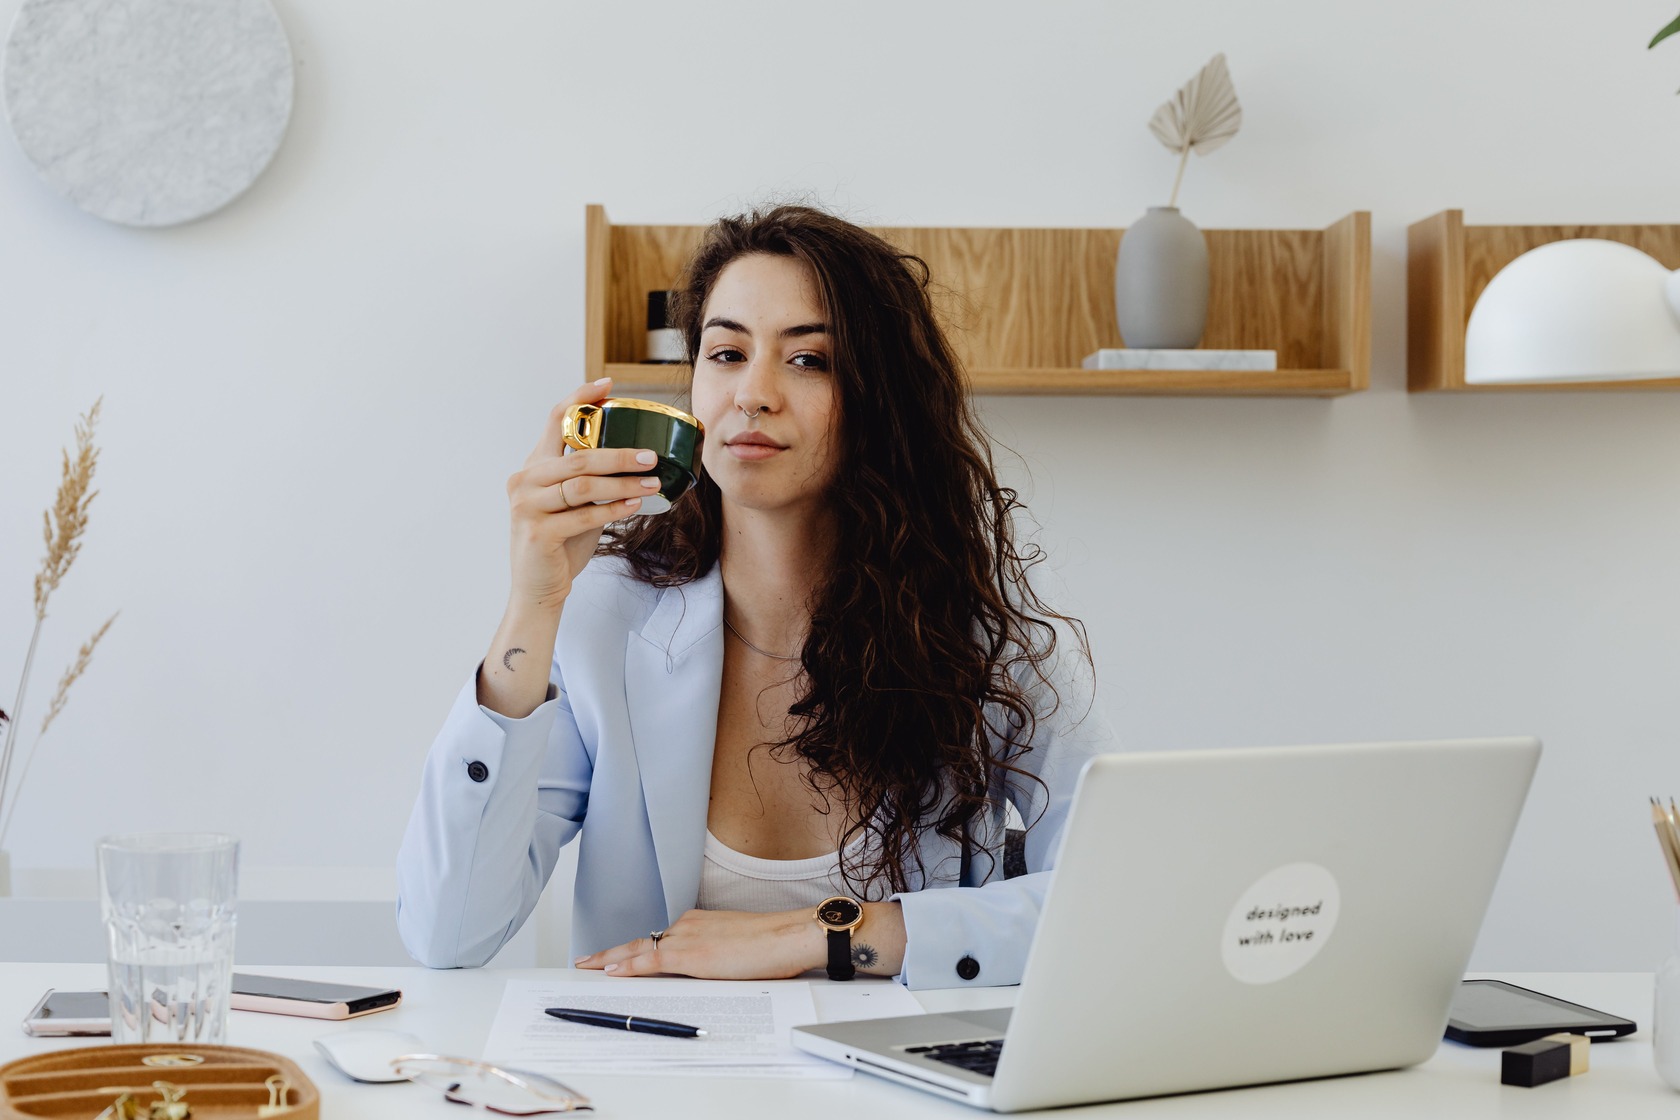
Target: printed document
(746,1024)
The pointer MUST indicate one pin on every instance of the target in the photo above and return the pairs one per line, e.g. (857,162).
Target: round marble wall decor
(148,112)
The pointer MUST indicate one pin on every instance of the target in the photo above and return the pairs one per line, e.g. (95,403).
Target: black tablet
(1494,1013)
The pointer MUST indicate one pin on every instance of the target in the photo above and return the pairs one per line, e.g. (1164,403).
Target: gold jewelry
(167,1107)
(757,649)
(171,1107)
(565,501)
(278,1090)
(124,1107)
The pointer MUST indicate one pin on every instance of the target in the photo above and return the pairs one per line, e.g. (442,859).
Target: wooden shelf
(654,378)
(1448,264)
(1024,306)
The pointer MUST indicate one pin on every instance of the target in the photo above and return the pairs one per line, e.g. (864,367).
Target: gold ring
(564,501)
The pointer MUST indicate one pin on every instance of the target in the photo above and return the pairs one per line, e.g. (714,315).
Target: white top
(625,740)
(731,880)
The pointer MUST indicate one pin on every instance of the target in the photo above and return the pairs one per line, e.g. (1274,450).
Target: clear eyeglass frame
(511,1092)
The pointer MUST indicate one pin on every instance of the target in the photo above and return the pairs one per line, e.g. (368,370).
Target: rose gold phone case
(279,1005)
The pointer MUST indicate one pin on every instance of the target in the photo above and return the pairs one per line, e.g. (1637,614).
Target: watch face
(838,913)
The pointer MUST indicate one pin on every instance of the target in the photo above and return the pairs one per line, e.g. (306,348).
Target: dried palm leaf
(1200,118)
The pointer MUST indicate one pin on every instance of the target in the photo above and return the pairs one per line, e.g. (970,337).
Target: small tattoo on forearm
(506,663)
(864,956)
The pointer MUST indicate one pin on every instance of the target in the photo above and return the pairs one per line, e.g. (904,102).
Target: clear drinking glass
(168,903)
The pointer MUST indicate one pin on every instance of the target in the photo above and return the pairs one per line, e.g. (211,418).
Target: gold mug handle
(579,428)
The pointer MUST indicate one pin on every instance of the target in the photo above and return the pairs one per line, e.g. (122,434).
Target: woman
(822,673)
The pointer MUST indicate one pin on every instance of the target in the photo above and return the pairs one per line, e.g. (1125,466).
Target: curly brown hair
(926,639)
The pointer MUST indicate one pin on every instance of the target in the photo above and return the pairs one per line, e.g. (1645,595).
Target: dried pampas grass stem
(62,529)
(70,511)
(84,657)
(76,669)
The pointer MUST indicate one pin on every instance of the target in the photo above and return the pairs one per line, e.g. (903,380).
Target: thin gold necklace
(756,649)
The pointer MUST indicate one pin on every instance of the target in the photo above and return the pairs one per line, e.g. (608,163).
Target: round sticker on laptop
(1281,923)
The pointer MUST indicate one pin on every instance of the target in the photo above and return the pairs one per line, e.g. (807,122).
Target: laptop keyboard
(976,1057)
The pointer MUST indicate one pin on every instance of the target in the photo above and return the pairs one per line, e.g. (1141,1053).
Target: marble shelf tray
(1259,360)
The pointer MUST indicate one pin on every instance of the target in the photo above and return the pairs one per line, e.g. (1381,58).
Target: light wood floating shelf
(1449,264)
(1024,306)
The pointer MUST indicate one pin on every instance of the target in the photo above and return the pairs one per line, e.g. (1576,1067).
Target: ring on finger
(657,936)
(565,501)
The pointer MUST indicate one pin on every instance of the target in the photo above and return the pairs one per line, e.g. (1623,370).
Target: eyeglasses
(515,1092)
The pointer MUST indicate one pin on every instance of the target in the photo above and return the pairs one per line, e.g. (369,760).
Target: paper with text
(746,1025)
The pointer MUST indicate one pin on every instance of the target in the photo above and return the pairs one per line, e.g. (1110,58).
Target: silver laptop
(1233,917)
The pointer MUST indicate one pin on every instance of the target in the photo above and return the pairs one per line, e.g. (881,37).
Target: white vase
(1665,1018)
(1161,282)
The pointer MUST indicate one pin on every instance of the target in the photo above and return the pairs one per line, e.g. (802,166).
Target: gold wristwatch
(840,916)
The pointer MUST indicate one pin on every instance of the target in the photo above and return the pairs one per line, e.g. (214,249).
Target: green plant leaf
(1671,29)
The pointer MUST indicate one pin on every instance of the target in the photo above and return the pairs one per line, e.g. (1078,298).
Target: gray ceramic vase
(1161,282)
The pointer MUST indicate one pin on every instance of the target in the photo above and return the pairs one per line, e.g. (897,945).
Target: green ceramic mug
(670,433)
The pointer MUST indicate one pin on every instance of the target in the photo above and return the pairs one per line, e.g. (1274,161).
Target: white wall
(312,399)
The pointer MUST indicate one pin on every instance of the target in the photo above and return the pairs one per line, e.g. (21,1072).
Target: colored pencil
(1668,838)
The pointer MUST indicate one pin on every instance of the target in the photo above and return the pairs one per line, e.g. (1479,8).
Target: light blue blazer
(620,757)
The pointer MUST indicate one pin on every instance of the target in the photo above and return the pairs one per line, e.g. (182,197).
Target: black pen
(624,1022)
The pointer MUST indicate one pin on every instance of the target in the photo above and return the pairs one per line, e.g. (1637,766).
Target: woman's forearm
(739,945)
(878,944)
(513,681)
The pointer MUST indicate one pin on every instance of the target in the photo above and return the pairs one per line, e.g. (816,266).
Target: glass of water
(168,903)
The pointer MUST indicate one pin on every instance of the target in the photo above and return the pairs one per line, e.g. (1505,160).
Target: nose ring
(754,414)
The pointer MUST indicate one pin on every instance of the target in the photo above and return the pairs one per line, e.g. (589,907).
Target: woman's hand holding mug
(561,499)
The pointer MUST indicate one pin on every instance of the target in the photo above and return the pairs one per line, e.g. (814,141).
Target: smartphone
(67,1014)
(1494,1013)
(310,998)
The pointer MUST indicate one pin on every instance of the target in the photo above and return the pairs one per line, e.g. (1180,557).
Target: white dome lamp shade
(1578,310)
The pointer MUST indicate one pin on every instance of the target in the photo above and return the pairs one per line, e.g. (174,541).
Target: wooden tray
(81,1083)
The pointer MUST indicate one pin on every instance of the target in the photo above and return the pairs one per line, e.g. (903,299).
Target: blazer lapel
(673,674)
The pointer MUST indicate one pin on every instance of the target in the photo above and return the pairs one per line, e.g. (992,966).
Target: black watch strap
(840,966)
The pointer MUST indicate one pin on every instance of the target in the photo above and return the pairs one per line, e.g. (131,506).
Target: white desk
(452,1011)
